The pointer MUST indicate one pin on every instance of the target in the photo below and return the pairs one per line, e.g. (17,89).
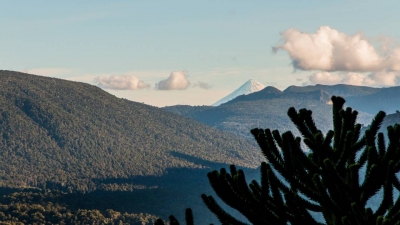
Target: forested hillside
(74,135)
(34,207)
(79,152)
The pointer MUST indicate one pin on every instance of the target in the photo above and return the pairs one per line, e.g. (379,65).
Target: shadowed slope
(70,132)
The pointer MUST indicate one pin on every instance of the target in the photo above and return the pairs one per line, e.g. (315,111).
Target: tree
(326,179)
(174,221)
(336,177)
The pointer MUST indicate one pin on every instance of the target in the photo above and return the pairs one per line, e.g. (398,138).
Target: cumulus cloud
(385,78)
(120,82)
(331,50)
(176,81)
(325,78)
(376,79)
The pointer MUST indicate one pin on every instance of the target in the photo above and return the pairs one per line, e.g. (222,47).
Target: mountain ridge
(266,93)
(266,108)
(343,90)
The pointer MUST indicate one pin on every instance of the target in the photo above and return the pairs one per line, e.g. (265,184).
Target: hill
(238,117)
(268,107)
(59,135)
(365,99)
(266,93)
(387,99)
(64,131)
(343,90)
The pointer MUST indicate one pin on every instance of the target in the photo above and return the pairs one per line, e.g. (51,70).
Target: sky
(197,52)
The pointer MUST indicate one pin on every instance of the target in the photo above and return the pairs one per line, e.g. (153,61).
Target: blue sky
(214,46)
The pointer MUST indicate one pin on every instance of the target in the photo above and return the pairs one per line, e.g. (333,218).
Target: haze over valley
(122,112)
(55,141)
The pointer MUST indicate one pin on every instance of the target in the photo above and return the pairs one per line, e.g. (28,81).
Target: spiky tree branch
(324,179)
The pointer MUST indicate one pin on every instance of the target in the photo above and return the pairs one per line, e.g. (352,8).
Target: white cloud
(385,78)
(176,81)
(120,82)
(325,78)
(331,50)
(376,79)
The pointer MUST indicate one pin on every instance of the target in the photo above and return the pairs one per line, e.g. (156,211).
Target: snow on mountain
(249,87)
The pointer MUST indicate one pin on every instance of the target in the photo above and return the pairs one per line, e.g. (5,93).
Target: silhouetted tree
(324,179)
(336,176)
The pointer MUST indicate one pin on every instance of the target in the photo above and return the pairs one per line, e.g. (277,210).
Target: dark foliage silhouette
(336,177)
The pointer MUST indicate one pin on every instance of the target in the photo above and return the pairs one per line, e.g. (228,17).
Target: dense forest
(75,135)
(70,139)
(71,152)
(35,207)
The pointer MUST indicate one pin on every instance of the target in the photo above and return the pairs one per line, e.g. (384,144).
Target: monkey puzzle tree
(336,176)
(324,179)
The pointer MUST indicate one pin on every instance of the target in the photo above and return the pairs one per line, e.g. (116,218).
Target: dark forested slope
(70,134)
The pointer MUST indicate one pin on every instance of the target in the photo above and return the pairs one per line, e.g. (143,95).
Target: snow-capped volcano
(249,87)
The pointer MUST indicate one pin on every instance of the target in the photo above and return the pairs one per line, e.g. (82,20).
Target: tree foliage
(336,177)
(45,208)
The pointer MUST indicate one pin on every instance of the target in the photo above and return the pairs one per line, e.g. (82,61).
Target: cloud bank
(331,50)
(343,58)
(114,82)
(378,79)
(176,81)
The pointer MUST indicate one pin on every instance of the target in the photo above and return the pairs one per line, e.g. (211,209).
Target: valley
(84,152)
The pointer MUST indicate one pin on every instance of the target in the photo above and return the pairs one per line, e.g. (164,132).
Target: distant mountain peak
(272,89)
(249,87)
(254,85)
